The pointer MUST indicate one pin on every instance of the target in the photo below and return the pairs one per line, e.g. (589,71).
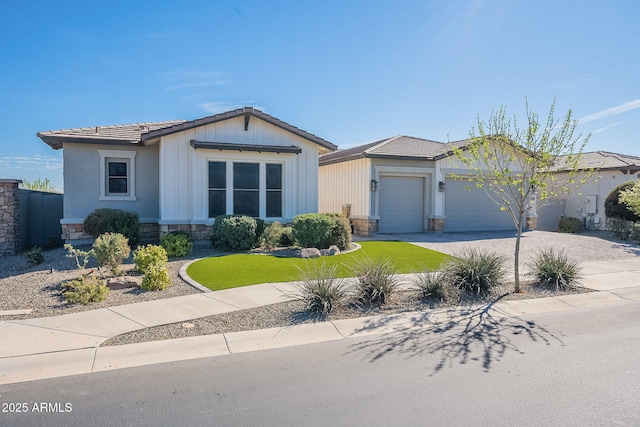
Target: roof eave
(57,141)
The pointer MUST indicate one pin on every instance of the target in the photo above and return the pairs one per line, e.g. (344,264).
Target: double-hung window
(217,189)
(274,190)
(117,175)
(246,189)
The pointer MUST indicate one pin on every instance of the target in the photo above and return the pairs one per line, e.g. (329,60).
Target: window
(246,189)
(117,175)
(217,189)
(274,190)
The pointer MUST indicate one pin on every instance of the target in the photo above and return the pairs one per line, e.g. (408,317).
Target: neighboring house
(405,184)
(587,203)
(180,175)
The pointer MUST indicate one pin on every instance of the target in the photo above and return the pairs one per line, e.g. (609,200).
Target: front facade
(403,185)
(180,175)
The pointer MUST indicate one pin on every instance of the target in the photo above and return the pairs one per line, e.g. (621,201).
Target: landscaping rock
(124,282)
(333,250)
(308,253)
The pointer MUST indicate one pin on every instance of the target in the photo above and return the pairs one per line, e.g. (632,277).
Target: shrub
(146,256)
(555,268)
(176,245)
(614,208)
(272,235)
(260,227)
(635,233)
(320,289)
(569,224)
(79,254)
(156,278)
(35,255)
(321,231)
(84,290)
(110,249)
(234,233)
(108,220)
(376,281)
(436,286)
(475,270)
(286,239)
(620,228)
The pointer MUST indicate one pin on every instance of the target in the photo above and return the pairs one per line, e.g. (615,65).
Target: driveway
(584,247)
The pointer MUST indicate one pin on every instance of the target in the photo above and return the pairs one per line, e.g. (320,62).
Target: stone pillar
(531,222)
(436,224)
(9,217)
(364,226)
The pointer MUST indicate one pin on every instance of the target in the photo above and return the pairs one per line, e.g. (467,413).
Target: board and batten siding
(184,170)
(346,183)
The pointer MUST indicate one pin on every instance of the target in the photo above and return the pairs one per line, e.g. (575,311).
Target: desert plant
(435,285)
(234,233)
(272,235)
(620,228)
(81,257)
(475,270)
(569,224)
(106,220)
(376,281)
(110,249)
(286,239)
(146,256)
(156,278)
(35,255)
(635,233)
(84,290)
(320,289)
(615,208)
(176,245)
(555,268)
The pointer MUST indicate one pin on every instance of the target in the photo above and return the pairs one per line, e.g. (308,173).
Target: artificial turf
(230,271)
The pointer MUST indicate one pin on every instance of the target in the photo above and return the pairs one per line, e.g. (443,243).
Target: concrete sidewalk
(49,347)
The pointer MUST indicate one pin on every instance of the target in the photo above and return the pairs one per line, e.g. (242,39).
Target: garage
(472,210)
(401,204)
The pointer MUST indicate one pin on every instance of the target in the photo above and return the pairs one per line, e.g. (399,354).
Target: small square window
(117,177)
(117,172)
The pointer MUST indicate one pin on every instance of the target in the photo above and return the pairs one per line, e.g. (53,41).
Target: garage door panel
(401,204)
(472,210)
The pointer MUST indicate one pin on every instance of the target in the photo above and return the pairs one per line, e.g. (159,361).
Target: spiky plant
(554,268)
(320,288)
(475,270)
(376,281)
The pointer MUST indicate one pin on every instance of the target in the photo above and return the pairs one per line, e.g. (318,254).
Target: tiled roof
(402,147)
(117,134)
(138,133)
(603,160)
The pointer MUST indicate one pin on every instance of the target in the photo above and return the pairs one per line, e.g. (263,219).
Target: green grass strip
(231,271)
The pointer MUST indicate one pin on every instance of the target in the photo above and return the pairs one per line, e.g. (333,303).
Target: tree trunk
(516,265)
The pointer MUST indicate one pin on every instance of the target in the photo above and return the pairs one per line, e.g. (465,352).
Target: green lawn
(230,271)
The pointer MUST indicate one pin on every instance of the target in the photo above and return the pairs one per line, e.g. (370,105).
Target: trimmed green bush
(569,224)
(376,281)
(107,220)
(272,235)
(614,208)
(320,289)
(435,286)
(635,233)
(234,233)
(321,231)
(146,256)
(35,255)
(110,249)
(156,278)
(85,290)
(620,228)
(286,239)
(475,270)
(176,245)
(556,269)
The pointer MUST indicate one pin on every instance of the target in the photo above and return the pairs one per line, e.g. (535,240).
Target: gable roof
(115,135)
(247,112)
(140,133)
(397,147)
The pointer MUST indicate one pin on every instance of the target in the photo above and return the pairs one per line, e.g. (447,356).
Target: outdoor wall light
(374,185)
(442,186)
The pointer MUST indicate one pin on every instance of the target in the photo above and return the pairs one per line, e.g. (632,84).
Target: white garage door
(472,210)
(401,204)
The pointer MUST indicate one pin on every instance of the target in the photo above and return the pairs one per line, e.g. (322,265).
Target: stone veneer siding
(364,226)
(436,224)
(9,217)
(531,223)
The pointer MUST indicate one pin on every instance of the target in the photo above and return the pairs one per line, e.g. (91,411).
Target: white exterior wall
(346,183)
(184,170)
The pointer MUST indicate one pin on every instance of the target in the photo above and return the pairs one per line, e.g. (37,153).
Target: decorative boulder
(308,253)
(123,282)
(333,250)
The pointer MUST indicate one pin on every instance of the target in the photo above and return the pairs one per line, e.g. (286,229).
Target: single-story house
(587,203)
(405,184)
(180,175)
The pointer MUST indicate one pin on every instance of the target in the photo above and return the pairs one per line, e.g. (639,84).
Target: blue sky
(350,72)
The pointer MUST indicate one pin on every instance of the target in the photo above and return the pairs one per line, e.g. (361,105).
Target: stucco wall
(82,182)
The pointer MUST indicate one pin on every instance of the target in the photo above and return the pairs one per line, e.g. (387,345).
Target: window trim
(129,157)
